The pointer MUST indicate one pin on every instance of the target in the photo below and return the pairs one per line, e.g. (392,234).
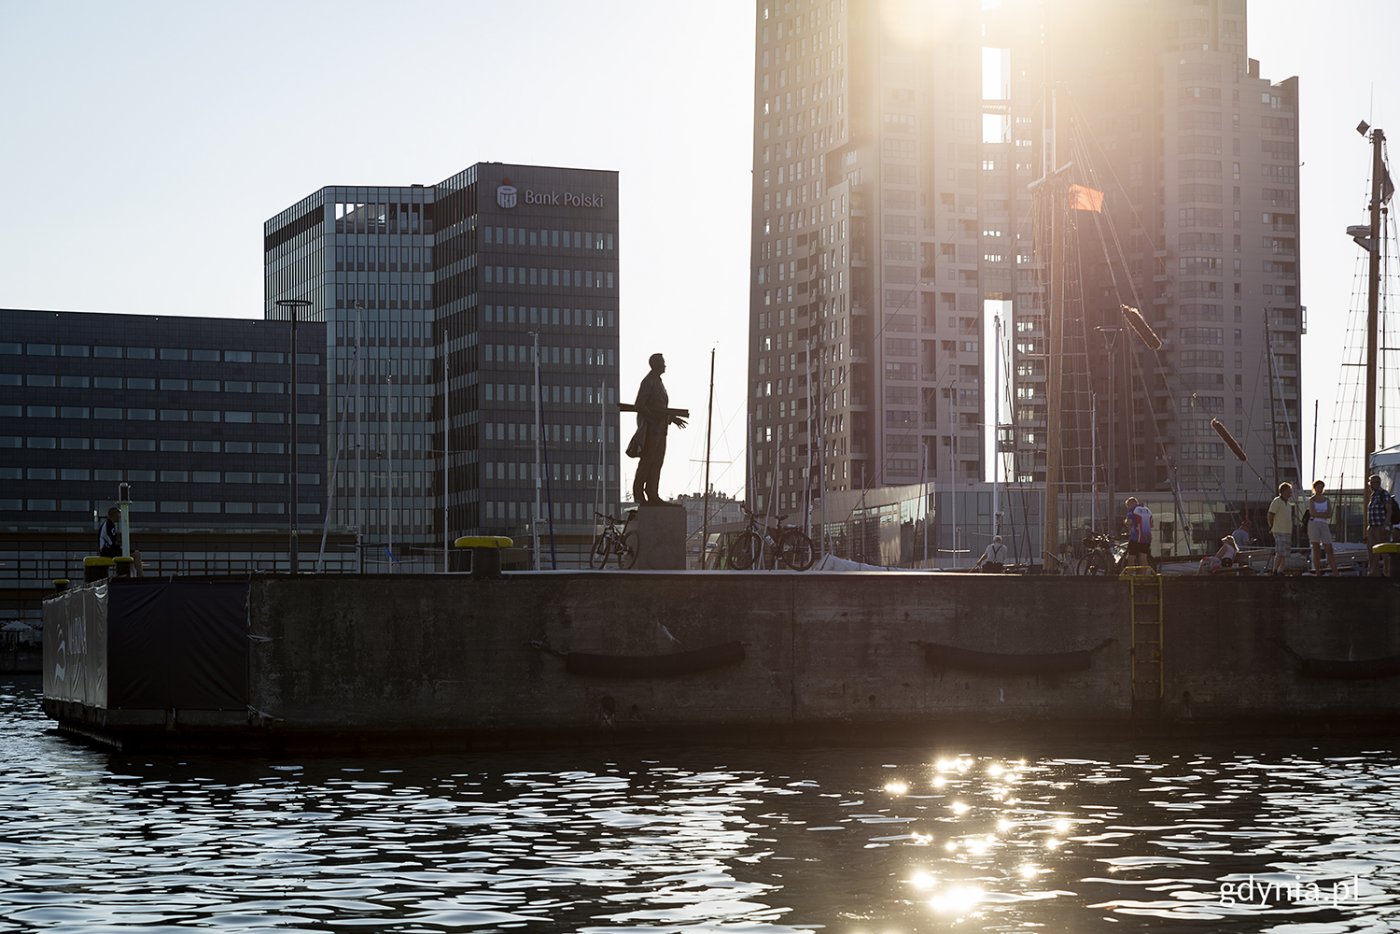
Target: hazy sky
(146,143)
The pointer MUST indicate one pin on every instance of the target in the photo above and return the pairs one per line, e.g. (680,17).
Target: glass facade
(433,299)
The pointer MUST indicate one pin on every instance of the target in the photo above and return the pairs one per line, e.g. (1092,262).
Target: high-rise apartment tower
(901,296)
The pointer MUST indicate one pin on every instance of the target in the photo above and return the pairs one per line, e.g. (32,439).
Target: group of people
(1382,525)
(1382,514)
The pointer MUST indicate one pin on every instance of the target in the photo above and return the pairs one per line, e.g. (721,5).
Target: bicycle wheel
(743,554)
(598,554)
(795,550)
(1095,564)
(631,548)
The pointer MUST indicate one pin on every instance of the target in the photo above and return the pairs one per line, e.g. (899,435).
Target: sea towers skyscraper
(907,157)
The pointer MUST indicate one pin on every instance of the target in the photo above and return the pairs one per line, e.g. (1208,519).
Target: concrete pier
(448,661)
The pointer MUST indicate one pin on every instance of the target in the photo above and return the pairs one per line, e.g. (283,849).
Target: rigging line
(1079,125)
(1172,380)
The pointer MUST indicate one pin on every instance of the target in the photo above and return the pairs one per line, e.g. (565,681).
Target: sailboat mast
(709,423)
(1378,175)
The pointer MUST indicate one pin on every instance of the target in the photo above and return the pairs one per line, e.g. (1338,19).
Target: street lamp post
(293,306)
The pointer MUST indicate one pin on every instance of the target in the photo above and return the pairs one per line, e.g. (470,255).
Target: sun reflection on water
(1219,837)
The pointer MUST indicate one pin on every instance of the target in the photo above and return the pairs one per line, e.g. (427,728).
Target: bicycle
(788,545)
(1107,556)
(615,539)
(1102,555)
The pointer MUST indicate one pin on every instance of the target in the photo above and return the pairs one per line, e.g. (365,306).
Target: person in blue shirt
(1138,522)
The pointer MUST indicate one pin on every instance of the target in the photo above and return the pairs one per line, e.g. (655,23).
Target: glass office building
(434,300)
(194,414)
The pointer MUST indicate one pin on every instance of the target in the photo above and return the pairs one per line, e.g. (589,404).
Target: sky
(147,141)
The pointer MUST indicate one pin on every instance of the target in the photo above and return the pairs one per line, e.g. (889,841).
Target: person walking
(1379,507)
(1320,529)
(1138,522)
(1281,525)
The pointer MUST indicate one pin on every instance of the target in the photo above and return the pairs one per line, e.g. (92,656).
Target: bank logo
(506,195)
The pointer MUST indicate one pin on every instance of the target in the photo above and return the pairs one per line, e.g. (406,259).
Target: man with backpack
(1382,512)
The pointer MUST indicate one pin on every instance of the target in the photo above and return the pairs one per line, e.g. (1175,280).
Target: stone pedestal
(660,532)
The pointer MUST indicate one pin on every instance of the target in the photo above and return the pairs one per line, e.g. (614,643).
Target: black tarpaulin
(178,645)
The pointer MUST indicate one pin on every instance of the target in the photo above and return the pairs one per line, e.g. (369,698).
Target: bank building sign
(508,196)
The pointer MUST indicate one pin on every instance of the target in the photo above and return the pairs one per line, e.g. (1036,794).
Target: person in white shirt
(993,560)
(1320,529)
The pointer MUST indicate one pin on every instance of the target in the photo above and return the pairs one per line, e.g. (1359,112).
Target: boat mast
(705,506)
(1378,198)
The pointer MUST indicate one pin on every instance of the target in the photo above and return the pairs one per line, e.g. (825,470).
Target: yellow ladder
(1145,600)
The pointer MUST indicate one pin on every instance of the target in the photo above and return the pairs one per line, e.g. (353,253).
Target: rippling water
(1202,836)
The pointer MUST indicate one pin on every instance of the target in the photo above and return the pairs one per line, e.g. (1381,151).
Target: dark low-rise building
(192,414)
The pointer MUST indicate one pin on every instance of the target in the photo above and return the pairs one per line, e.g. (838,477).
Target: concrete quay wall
(844,649)
(446,660)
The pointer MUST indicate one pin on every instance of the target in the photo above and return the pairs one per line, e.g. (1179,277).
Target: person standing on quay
(1139,524)
(648,445)
(1379,506)
(1320,529)
(109,534)
(1281,525)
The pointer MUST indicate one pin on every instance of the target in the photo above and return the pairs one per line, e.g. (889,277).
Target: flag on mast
(1083,198)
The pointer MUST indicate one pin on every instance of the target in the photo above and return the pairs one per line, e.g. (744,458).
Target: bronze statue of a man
(649,443)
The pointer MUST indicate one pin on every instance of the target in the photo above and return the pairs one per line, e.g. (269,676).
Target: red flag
(1082,198)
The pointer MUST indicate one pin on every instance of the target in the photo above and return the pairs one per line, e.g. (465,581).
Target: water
(1198,836)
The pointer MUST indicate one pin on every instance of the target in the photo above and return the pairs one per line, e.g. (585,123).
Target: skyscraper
(903,188)
(489,264)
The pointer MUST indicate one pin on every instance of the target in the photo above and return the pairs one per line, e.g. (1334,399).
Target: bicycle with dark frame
(788,545)
(615,539)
